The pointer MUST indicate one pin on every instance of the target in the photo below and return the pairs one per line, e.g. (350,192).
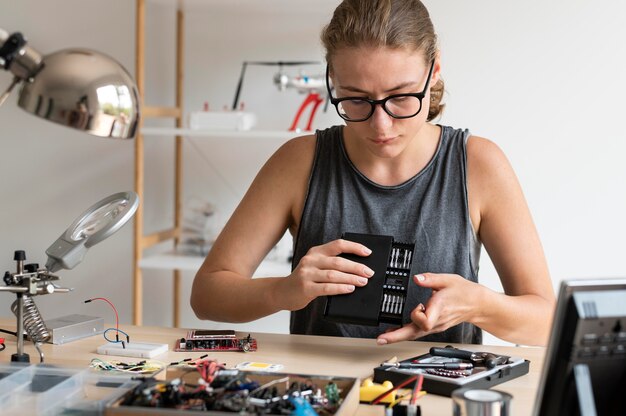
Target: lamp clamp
(10,49)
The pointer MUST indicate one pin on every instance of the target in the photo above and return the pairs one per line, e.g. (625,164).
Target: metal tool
(479,359)
(447,366)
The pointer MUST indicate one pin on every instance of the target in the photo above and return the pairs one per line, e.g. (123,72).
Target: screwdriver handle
(452,353)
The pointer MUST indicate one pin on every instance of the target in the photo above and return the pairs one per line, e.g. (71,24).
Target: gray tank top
(431,209)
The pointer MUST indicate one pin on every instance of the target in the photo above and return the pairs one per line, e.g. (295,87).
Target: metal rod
(20,324)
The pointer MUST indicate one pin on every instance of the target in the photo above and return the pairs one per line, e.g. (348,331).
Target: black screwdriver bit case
(383,298)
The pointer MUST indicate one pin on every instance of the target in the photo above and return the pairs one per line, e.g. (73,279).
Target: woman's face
(376,73)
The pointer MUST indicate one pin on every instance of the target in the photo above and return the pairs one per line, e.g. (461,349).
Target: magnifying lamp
(88,91)
(94,225)
(78,88)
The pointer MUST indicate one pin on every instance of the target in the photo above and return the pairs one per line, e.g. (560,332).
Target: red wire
(117,321)
(416,389)
(399,386)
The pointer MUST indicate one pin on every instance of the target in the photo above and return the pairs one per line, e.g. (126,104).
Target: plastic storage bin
(96,392)
(50,391)
(38,389)
(10,380)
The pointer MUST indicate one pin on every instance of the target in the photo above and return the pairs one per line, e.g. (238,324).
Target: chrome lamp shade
(78,88)
(86,90)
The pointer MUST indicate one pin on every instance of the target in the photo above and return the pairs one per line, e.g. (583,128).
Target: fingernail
(368,271)
(350,288)
(421,307)
(381,341)
(421,278)
(367,251)
(362,280)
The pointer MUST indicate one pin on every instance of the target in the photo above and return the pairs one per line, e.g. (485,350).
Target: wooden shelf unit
(169,261)
(141,241)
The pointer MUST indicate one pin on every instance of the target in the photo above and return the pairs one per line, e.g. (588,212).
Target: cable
(117,324)
(140,367)
(417,389)
(190,361)
(116,340)
(9,332)
(384,394)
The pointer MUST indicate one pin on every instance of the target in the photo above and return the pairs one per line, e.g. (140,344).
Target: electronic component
(241,392)
(139,367)
(384,297)
(72,327)
(133,349)
(215,340)
(255,366)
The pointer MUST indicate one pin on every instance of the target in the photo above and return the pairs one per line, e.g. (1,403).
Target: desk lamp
(88,91)
(78,88)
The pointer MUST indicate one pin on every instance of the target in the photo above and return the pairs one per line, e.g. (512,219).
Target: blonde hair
(388,23)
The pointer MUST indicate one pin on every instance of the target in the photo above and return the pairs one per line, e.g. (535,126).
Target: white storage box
(221,120)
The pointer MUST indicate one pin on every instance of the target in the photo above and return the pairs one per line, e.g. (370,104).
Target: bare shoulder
(485,155)
(291,161)
(490,176)
(284,178)
(295,151)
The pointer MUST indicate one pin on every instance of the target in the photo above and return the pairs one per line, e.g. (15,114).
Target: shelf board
(221,134)
(190,263)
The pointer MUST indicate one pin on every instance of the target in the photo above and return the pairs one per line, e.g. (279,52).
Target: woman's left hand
(454,300)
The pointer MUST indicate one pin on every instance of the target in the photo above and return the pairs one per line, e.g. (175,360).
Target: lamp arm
(6,94)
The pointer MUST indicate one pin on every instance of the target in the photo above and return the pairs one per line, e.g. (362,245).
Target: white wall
(544,80)
(50,174)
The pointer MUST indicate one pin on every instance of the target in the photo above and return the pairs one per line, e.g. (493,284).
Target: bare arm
(223,289)
(523,313)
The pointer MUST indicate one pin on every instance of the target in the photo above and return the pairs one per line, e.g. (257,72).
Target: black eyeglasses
(396,105)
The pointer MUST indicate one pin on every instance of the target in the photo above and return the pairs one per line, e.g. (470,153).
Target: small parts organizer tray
(383,299)
(49,390)
(240,392)
(444,382)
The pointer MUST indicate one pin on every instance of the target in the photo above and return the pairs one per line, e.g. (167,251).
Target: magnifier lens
(99,219)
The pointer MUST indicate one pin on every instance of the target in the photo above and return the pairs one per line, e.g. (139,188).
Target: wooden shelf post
(142,242)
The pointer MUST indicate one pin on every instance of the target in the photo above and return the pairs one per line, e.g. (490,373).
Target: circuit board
(202,340)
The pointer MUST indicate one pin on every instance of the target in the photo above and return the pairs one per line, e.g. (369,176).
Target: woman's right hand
(322,272)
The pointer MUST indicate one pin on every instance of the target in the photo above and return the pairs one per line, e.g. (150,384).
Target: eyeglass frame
(382,102)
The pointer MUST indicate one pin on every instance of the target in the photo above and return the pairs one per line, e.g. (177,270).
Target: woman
(387,171)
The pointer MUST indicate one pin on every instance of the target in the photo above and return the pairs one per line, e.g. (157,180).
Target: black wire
(8,332)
